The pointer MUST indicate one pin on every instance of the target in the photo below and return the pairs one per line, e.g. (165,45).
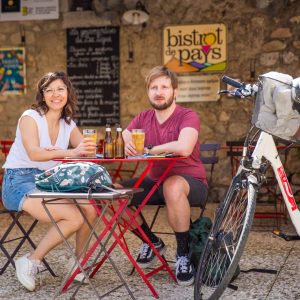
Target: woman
(44,133)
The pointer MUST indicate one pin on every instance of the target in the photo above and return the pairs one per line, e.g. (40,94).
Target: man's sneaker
(71,264)
(147,257)
(184,271)
(26,270)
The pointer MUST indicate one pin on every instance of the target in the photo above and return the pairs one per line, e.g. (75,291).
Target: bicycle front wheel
(227,239)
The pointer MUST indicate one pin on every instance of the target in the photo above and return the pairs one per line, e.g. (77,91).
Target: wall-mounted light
(136,16)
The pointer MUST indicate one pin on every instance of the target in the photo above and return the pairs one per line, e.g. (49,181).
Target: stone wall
(264,32)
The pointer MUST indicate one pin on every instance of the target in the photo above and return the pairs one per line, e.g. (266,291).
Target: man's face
(161,93)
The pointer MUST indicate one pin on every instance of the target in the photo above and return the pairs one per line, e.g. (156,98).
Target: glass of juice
(91,134)
(138,138)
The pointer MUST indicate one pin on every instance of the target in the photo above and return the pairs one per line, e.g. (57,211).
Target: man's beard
(165,105)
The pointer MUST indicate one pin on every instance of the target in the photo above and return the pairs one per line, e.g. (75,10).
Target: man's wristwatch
(148,148)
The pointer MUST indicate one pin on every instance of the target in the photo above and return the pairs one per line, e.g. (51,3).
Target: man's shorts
(197,195)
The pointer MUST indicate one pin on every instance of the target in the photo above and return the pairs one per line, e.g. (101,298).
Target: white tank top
(18,158)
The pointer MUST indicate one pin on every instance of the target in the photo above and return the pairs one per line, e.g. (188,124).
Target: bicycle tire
(228,234)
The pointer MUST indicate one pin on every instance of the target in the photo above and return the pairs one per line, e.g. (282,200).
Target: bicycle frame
(265,147)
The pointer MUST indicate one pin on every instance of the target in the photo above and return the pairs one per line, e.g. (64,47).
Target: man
(169,128)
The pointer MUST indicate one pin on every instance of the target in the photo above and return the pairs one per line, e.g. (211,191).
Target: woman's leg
(67,216)
(84,231)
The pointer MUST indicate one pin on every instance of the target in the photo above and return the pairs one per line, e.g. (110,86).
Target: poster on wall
(195,48)
(198,88)
(22,10)
(12,71)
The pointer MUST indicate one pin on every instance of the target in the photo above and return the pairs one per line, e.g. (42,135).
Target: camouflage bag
(74,177)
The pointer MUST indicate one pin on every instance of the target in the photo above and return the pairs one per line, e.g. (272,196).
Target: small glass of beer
(91,134)
(138,138)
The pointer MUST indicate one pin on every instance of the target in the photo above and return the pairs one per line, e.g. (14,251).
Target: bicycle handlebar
(242,90)
(232,82)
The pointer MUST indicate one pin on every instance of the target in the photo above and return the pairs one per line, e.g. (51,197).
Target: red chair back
(5,146)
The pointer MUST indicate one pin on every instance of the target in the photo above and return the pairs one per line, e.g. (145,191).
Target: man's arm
(188,137)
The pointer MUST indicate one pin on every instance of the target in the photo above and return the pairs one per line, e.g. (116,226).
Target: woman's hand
(85,147)
(130,149)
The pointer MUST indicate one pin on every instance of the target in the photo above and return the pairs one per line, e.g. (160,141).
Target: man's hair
(70,108)
(161,71)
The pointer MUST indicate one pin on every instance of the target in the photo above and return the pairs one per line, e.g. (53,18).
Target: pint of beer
(138,138)
(91,134)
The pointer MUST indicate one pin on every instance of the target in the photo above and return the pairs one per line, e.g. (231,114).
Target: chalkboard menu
(93,67)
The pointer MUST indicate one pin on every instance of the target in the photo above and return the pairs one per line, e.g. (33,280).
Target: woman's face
(56,95)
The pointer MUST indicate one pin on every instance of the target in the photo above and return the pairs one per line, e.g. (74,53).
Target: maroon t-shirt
(157,134)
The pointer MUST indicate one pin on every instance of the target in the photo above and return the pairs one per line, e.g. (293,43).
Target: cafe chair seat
(13,233)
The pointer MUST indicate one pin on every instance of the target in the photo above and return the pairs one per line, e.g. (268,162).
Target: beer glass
(138,138)
(91,134)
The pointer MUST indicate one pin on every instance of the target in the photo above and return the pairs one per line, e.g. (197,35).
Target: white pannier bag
(275,110)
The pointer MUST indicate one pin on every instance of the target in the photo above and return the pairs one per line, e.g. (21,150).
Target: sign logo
(195,48)
(287,188)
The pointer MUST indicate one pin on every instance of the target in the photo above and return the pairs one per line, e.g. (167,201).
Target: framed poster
(22,10)
(198,88)
(12,71)
(195,48)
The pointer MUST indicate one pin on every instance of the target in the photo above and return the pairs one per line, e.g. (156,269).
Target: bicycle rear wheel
(227,239)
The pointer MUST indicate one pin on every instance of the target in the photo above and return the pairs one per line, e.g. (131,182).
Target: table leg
(112,226)
(100,212)
(132,220)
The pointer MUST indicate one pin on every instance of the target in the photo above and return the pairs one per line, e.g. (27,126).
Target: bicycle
(218,265)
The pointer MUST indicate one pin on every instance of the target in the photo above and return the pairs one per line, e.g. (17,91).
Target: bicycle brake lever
(223,92)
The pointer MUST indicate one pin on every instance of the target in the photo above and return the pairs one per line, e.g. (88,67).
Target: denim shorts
(17,184)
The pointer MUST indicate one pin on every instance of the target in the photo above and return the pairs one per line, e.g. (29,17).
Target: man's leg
(146,256)
(178,193)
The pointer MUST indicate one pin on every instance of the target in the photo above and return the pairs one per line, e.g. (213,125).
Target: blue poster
(12,71)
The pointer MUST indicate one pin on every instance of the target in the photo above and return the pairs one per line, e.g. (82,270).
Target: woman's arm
(76,137)
(31,142)
(80,145)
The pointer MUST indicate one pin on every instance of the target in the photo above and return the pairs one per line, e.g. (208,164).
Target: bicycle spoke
(223,250)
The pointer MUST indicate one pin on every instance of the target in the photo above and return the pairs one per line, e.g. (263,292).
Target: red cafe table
(168,162)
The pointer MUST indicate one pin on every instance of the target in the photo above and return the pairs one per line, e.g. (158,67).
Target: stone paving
(263,250)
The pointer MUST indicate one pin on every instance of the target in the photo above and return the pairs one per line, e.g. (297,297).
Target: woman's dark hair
(69,109)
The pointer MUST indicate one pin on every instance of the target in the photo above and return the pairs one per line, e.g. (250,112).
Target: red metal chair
(5,147)
(24,232)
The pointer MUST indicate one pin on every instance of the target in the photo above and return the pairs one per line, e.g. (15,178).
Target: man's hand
(130,149)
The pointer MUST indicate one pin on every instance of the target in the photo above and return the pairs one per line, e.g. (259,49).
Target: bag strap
(93,186)
(92,179)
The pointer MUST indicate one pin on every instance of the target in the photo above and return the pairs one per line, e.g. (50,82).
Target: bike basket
(275,111)
(74,177)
